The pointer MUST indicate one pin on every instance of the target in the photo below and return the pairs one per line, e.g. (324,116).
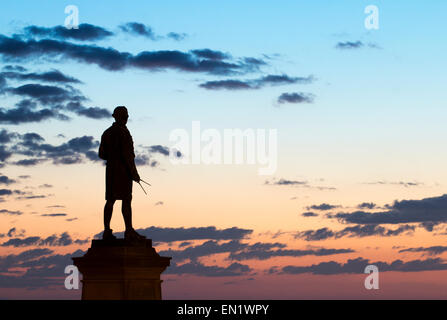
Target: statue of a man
(117,148)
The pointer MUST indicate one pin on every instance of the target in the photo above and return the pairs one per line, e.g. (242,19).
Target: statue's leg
(108,210)
(126,210)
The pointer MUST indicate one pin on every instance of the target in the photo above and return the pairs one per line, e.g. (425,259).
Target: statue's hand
(136,177)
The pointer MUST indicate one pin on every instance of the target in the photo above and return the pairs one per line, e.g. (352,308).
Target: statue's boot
(132,235)
(108,235)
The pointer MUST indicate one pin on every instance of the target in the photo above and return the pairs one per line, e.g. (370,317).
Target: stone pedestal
(119,270)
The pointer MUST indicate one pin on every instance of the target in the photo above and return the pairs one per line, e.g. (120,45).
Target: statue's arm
(129,157)
(102,149)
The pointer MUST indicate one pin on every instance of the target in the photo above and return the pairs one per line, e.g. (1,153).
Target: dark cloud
(145,157)
(349,45)
(286,182)
(113,60)
(85,32)
(177,36)
(139,29)
(6,180)
(309,214)
(406,211)
(14,68)
(366,205)
(207,248)
(357,266)
(55,99)
(315,235)
(397,183)
(159,149)
(9,212)
(28,162)
(211,54)
(354,231)
(64,239)
(429,225)
(158,234)
(233,84)
(323,207)
(53,215)
(226,84)
(44,269)
(40,196)
(261,254)
(37,150)
(296,97)
(196,268)
(50,76)
(23,115)
(46,94)
(432,251)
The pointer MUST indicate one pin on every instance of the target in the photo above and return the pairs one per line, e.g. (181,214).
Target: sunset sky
(360,117)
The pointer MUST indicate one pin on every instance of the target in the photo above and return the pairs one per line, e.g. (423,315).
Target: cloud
(261,254)
(177,36)
(233,84)
(349,45)
(398,183)
(286,182)
(53,215)
(9,212)
(309,214)
(353,231)
(297,183)
(113,60)
(357,266)
(54,76)
(205,249)
(159,149)
(197,268)
(226,84)
(34,147)
(432,251)
(367,205)
(315,235)
(13,232)
(6,180)
(159,234)
(296,97)
(85,32)
(44,269)
(23,115)
(405,211)
(322,207)
(64,239)
(139,29)
(55,99)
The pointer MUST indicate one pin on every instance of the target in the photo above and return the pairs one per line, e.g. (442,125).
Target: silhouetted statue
(117,148)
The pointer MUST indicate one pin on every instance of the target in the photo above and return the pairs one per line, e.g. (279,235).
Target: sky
(359,116)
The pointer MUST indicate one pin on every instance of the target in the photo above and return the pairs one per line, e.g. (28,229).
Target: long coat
(117,148)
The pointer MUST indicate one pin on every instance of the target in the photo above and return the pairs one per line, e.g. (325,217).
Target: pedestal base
(118,270)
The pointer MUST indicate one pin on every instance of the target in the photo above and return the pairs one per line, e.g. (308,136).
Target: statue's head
(120,114)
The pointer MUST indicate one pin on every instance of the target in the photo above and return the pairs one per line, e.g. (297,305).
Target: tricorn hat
(120,112)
